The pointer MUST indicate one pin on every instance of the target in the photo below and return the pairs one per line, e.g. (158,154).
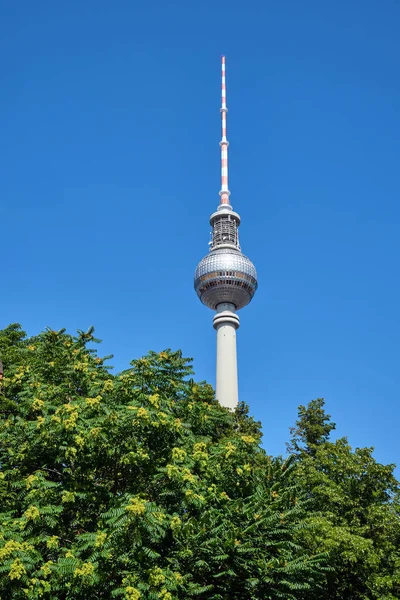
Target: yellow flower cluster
(175,522)
(17,569)
(162,419)
(142,362)
(52,542)
(230,449)
(79,441)
(125,377)
(93,401)
(172,471)
(178,577)
(108,385)
(72,411)
(37,588)
(244,469)
(81,366)
(37,404)
(190,494)
(71,422)
(199,451)
(95,431)
(185,474)
(68,497)
(135,457)
(46,569)
(19,373)
(178,454)
(132,593)
(71,452)
(12,546)
(141,413)
(248,439)
(39,422)
(200,447)
(142,455)
(224,496)
(156,577)
(136,506)
(165,595)
(86,570)
(154,399)
(100,539)
(29,481)
(188,476)
(32,513)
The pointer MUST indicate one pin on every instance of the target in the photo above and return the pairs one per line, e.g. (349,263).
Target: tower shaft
(226,322)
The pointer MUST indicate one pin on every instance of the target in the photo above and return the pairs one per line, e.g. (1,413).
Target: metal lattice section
(225,231)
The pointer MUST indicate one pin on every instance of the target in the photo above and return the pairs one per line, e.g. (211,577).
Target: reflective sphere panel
(225,276)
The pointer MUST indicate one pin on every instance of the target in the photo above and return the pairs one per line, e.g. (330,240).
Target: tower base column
(225,323)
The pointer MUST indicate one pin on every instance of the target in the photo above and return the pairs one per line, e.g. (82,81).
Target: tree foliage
(354,508)
(139,485)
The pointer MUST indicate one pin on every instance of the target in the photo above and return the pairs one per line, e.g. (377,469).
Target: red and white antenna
(224,193)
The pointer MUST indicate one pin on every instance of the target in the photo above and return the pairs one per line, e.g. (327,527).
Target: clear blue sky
(109,170)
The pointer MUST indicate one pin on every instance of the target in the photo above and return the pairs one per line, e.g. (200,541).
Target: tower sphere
(225,275)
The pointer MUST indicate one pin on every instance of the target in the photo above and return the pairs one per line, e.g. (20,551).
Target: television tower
(225,280)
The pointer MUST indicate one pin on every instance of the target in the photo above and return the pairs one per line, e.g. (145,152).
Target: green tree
(138,485)
(355,510)
(312,428)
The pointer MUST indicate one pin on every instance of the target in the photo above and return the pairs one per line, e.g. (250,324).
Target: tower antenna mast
(224,193)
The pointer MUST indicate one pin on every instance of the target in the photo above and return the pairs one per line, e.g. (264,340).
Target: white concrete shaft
(226,322)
